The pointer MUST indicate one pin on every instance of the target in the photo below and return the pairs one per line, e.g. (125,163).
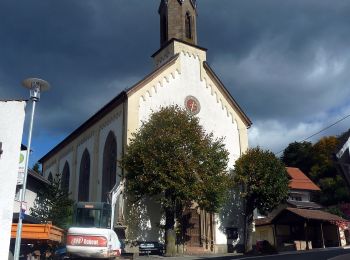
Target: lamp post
(35,86)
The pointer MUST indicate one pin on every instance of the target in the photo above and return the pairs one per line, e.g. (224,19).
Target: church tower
(178,21)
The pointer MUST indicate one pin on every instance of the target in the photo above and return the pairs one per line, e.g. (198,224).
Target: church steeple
(178,20)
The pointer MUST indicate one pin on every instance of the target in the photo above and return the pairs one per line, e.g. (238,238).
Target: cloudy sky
(286,62)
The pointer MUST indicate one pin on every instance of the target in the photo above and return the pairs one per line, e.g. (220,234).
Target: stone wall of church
(176,15)
(187,77)
(92,140)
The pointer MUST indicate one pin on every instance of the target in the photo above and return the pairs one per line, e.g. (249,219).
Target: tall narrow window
(65,177)
(109,170)
(84,177)
(188,25)
(50,178)
(1,151)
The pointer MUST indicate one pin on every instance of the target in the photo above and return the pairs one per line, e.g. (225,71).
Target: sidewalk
(192,257)
(241,256)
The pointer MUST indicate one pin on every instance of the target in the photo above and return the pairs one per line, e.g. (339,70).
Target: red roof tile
(299,181)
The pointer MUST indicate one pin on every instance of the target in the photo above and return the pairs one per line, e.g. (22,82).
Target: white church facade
(88,157)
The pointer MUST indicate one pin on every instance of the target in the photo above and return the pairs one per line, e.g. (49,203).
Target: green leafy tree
(172,159)
(317,161)
(36,168)
(298,154)
(324,173)
(264,184)
(53,204)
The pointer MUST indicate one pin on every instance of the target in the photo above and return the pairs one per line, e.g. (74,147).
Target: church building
(88,157)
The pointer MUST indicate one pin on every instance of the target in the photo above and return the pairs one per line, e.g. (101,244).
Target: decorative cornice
(110,119)
(65,153)
(233,102)
(86,138)
(151,76)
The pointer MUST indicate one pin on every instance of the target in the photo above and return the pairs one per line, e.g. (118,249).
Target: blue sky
(285,62)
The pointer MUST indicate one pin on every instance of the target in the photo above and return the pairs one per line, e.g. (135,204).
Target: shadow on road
(322,254)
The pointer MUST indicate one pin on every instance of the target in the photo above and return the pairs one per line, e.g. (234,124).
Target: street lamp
(35,86)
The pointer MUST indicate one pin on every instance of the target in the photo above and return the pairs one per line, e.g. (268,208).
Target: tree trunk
(170,234)
(249,226)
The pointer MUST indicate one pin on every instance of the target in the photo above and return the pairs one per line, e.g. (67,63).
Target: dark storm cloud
(286,62)
(88,50)
(281,55)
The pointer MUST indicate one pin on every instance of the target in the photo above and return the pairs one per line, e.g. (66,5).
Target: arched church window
(109,168)
(50,178)
(163,29)
(188,25)
(65,177)
(84,177)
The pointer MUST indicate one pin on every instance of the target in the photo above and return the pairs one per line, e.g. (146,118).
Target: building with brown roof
(299,181)
(300,224)
(301,189)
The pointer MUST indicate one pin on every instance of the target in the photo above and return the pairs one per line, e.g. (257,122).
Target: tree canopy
(317,161)
(298,154)
(173,159)
(53,204)
(263,181)
(264,178)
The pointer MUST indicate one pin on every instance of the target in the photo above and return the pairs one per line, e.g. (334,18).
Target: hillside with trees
(317,161)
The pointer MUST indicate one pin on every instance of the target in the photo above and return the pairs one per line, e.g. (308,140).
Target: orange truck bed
(46,232)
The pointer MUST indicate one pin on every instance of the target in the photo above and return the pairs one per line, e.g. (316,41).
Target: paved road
(339,253)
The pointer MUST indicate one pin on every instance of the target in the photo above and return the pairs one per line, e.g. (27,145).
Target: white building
(35,183)
(88,157)
(11,128)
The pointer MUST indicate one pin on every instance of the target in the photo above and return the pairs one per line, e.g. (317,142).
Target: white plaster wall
(305,195)
(11,129)
(87,144)
(214,117)
(30,198)
(144,220)
(116,126)
(69,159)
(231,215)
